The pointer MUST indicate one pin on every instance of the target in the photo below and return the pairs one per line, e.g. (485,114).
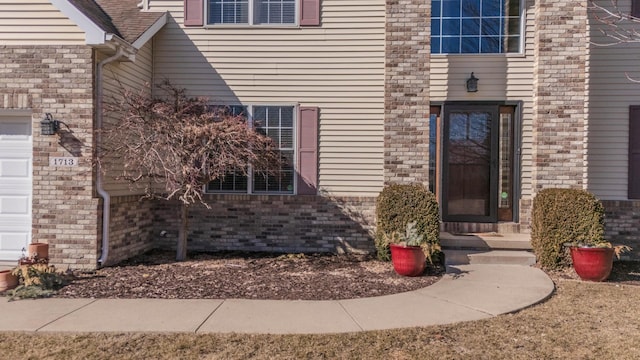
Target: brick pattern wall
(559,94)
(132,228)
(58,80)
(622,219)
(406,123)
(272,223)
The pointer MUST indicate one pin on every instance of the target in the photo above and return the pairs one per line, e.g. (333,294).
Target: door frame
(440,175)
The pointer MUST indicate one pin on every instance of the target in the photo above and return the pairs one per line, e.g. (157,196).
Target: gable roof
(122,18)
(104,19)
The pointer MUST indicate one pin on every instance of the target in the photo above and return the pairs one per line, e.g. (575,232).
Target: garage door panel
(19,130)
(13,241)
(15,168)
(15,185)
(14,205)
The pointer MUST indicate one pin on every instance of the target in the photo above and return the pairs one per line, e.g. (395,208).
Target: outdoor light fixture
(48,125)
(472,83)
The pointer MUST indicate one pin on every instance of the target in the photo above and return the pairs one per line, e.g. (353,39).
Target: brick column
(561,42)
(406,122)
(58,80)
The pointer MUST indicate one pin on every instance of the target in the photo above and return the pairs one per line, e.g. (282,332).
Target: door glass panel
(469,162)
(504,184)
(505,163)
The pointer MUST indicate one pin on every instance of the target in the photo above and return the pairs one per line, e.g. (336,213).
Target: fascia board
(94,35)
(151,31)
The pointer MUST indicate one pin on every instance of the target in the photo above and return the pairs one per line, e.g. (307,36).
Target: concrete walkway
(466,293)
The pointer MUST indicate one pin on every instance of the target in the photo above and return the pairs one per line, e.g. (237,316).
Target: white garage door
(15,185)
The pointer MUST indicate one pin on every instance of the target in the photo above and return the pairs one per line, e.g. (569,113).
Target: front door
(469,163)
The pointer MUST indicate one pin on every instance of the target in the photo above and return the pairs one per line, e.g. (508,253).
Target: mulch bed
(234,275)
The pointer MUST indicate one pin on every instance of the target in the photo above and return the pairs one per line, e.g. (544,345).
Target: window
(277,122)
(475,26)
(252,12)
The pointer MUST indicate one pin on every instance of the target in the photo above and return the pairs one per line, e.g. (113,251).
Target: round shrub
(560,216)
(397,205)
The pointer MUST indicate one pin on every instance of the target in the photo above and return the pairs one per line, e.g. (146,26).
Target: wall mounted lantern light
(472,83)
(48,125)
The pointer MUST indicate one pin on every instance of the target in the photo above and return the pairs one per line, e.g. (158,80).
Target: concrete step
(486,241)
(476,257)
(487,248)
(503,257)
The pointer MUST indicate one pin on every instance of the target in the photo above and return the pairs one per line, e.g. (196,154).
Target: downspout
(106,198)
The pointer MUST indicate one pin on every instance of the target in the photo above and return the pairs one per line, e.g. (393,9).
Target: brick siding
(561,43)
(131,230)
(406,123)
(58,80)
(272,223)
(621,225)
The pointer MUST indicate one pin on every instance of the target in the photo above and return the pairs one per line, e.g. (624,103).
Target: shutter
(309,12)
(193,13)
(634,152)
(635,8)
(307,151)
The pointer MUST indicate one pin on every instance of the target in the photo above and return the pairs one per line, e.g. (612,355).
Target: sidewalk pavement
(466,293)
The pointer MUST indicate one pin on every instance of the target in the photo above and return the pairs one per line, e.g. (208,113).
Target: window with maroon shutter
(193,12)
(309,12)
(635,8)
(634,152)
(307,151)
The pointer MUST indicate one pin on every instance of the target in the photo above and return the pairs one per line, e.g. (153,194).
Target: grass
(581,321)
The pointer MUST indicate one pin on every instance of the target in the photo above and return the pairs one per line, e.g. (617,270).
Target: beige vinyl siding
(610,94)
(131,75)
(36,22)
(338,67)
(503,77)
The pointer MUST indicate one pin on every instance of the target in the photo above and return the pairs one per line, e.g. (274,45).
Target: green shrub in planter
(560,216)
(398,205)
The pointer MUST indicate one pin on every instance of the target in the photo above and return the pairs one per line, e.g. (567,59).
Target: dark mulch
(247,276)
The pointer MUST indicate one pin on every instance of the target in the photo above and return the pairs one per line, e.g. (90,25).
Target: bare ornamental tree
(170,147)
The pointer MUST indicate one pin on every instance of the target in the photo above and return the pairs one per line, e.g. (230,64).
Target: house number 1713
(63,161)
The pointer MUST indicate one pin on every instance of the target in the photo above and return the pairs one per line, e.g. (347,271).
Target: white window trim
(252,23)
(249,191)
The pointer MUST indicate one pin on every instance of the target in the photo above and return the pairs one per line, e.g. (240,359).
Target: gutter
(106,197)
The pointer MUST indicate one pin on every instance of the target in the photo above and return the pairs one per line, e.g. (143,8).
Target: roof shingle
(119,17)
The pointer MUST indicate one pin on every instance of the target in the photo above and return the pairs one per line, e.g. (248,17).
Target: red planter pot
(592,264)
(408,260)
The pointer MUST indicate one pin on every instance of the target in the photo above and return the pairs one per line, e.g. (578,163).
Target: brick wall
(559,89)
(406,123)
(131,230)
(561,43)
(622,219)
(272,223)
(58,80)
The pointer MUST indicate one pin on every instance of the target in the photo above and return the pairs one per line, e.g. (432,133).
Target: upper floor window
(252,12)
(475,26)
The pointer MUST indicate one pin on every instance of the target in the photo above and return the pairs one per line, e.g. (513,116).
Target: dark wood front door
(470,163)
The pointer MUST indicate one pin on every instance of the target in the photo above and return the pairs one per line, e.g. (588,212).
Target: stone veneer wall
(621,224)
(559,93)
(272,223)
(406,122)
(58,80)
(132,228)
